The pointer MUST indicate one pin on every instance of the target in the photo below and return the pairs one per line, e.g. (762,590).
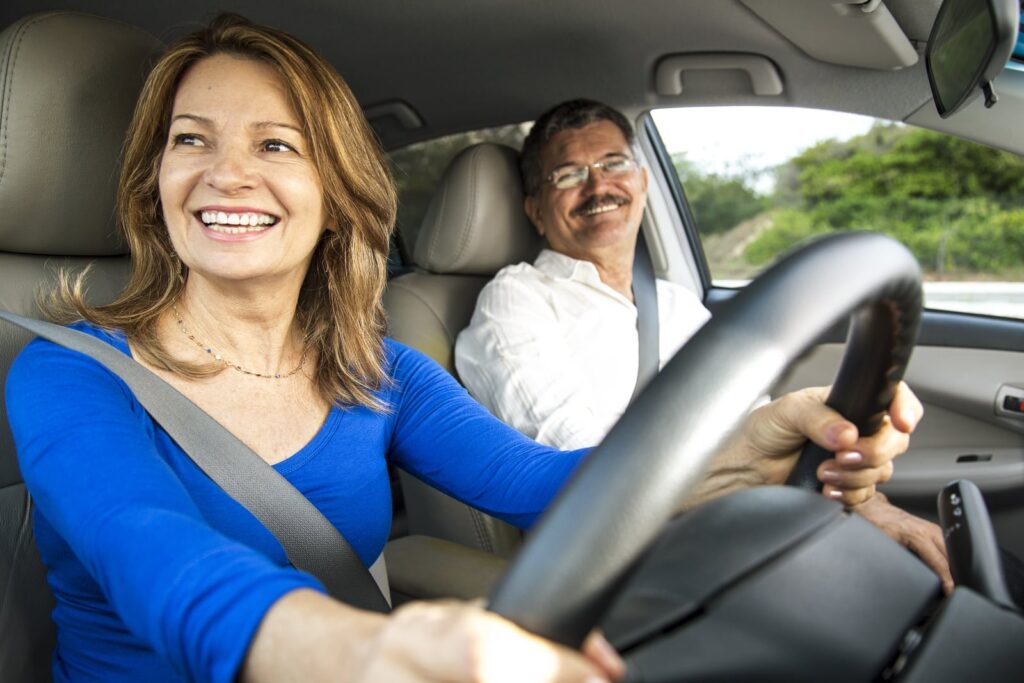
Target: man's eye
(570,177)
(187,139)
(277,146)
(618,165)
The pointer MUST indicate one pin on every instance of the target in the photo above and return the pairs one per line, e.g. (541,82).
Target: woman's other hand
(775,433)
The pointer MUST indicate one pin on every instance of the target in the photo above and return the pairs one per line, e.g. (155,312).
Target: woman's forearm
(306,636)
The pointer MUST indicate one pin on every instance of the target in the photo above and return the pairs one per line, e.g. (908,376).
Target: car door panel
(962,435)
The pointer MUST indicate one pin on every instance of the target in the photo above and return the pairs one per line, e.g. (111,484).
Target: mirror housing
(969,45)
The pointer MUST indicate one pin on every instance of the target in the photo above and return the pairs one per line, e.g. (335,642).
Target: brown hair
(572,114)
(339,308)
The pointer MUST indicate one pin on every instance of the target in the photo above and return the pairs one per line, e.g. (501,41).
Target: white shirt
(553,351)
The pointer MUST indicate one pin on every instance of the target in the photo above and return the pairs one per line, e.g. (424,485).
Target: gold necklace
(220,359)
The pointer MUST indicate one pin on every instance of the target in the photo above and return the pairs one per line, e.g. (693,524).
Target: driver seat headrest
(70,82)
(475,223)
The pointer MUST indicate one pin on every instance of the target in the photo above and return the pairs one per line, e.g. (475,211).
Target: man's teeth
(221,221)
(601,208)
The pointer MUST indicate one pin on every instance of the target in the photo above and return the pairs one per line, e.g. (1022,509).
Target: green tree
(719,202)
(954,203)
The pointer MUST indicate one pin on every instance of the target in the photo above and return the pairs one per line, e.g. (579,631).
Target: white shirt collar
(559,266)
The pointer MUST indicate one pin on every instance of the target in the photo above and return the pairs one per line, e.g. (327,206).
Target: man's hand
(775,432)
(920,536)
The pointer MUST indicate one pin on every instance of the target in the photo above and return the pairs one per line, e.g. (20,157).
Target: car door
(748,193)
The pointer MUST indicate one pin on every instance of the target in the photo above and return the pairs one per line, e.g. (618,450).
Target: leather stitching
(436,237)
(9,88)
(18,543)
(480,527)
(10,70)
(466,233)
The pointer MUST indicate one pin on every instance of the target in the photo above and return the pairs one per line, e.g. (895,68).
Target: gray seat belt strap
(311,542)
(645,294)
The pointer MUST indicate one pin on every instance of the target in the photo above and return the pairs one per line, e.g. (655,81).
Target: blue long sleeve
(122,536)
(158,574)
(447,439)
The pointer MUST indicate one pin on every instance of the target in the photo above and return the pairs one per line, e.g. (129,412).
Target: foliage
(958,206)
(718,201)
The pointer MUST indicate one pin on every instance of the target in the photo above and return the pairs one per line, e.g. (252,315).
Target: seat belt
(310,541)
(645,294)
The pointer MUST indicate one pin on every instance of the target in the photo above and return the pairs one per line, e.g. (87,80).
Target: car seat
(68,86)
(474,226)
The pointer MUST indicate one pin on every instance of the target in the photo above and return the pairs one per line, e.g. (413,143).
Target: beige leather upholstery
(68,86)
(474,226)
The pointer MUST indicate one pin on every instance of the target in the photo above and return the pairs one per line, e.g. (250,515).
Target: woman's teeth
(236,223)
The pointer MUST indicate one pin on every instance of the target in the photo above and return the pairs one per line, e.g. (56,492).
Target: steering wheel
(576,559)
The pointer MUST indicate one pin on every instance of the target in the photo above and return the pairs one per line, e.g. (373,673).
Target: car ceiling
(464,64)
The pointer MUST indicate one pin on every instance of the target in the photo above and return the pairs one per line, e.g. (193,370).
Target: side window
(761,179)
(418,168)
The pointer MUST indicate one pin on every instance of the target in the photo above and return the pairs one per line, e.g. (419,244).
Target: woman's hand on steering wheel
(774,434)
(455,641)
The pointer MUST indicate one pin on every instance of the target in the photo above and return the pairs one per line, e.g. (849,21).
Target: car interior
(758,604)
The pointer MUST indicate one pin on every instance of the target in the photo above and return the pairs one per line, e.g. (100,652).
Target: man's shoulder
(519,277)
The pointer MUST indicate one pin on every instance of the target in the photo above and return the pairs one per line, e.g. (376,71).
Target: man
(552,348)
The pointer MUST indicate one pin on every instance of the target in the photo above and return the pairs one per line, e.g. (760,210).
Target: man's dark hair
(564,116)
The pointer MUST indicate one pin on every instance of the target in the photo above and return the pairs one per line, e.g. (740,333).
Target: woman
(258,210)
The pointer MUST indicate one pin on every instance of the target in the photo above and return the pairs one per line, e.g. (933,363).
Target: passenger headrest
(475,224)
(68,86)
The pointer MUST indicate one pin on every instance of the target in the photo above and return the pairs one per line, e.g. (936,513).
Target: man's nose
(232,168)
(595,179)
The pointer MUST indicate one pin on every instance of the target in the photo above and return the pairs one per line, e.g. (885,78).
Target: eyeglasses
(574,176)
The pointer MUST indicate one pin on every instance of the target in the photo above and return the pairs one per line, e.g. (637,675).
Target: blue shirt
(158,574)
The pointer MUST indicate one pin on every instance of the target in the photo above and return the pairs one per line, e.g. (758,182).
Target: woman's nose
(231,169)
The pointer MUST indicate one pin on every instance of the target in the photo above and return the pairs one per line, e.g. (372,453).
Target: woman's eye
(277,146)
(188,139)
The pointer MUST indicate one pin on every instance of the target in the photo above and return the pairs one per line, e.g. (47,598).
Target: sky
(727,139)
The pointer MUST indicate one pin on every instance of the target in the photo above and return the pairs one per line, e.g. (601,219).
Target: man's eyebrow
(609,155)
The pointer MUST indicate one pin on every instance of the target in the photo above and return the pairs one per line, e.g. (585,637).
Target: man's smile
(598,205)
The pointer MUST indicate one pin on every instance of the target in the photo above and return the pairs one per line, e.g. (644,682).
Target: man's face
(600,217)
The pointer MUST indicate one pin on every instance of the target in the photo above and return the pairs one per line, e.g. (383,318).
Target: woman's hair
(339,308)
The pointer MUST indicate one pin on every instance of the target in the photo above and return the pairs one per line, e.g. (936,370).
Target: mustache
(595,201)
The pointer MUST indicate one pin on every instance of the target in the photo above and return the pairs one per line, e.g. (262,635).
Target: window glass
(418,168)
(761,179)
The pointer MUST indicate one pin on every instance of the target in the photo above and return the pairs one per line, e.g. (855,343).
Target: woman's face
(240,194)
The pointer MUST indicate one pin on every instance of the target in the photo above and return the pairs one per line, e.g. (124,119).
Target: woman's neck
(252,327)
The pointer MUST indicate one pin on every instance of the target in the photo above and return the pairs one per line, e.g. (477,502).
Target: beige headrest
(67,91)
(475,224)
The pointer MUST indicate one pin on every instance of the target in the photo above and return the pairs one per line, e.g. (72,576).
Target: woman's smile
(235,224)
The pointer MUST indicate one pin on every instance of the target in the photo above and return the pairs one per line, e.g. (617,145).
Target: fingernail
(610,655)
(850,458)
(836,431)
(835,494)
(829,475)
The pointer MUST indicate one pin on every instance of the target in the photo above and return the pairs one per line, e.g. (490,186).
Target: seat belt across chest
(310,541)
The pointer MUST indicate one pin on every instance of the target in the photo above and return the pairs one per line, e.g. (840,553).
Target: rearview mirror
(970,43)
